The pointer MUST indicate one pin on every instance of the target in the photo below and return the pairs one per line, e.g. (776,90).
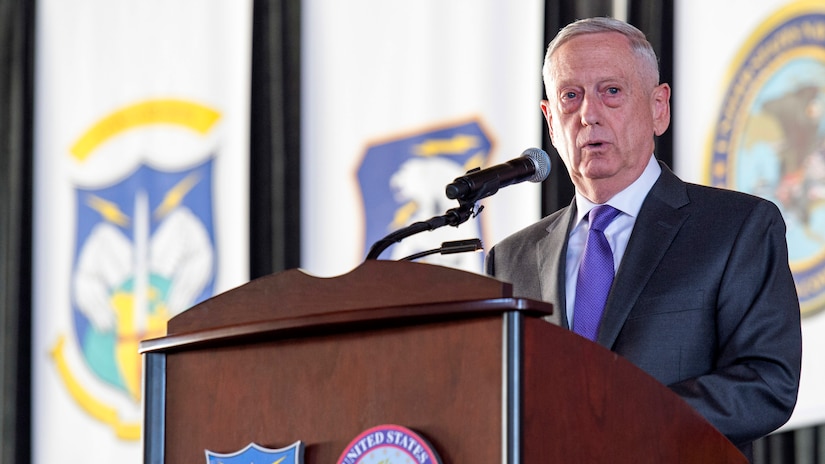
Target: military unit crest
(402,181)
(256,454)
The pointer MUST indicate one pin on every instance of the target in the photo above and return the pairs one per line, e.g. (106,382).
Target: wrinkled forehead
(595,57)
(601,54)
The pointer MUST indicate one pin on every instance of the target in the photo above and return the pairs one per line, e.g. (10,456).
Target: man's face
(602,114)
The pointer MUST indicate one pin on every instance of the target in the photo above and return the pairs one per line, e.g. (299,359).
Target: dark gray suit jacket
(703,300)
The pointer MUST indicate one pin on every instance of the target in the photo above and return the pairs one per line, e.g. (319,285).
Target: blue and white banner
(759,127)
(400,98)
(141,201)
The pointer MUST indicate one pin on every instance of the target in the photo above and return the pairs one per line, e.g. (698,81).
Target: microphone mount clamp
(454,217)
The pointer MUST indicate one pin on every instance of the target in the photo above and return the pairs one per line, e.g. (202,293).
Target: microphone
(533,165)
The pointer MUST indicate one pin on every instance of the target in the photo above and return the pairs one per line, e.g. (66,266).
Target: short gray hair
(638,43)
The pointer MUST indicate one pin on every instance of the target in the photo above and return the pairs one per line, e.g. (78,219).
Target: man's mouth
(593,144)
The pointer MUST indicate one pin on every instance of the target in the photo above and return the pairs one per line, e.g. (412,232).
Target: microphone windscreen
(541,161)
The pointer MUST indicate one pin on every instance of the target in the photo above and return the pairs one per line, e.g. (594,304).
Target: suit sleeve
(753,388)
(490,262)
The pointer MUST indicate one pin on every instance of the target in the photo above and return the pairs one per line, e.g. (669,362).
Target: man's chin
(599,167)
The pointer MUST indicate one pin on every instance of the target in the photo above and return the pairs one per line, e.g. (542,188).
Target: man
(702,299)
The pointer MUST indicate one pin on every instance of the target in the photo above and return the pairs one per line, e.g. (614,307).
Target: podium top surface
(374,290)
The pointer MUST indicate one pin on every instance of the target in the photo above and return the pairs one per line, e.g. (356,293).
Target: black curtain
(275,137)
(655,19)
(16,44)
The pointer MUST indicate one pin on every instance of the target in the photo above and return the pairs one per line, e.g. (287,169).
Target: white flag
(141,159)
(400,98)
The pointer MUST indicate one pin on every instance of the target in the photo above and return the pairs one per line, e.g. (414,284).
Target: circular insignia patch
(389,443)
(769,136)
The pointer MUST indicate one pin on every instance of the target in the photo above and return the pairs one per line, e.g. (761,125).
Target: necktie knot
(601,216)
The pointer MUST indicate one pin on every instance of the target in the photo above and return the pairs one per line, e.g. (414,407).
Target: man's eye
(613,90)
(569,95)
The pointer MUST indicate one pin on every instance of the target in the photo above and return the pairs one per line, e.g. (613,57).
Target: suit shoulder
(725,199)
(677,193)
(534,231)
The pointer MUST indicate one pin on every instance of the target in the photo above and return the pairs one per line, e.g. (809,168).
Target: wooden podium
(449,354)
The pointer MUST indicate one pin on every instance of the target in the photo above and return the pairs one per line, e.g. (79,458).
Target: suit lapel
(551,259)
(657,225)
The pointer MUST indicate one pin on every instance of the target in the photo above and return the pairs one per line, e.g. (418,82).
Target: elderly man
(702,297)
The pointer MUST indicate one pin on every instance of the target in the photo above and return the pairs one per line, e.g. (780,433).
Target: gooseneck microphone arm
(533,166)
(453,217)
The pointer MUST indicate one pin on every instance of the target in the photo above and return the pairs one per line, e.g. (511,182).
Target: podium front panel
(442,380)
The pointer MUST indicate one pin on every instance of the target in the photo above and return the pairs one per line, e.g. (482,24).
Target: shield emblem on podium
(256,454)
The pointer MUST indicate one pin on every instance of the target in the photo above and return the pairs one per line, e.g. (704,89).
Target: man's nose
(591,110)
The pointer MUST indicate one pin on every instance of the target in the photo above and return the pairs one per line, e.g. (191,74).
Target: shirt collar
(628,201)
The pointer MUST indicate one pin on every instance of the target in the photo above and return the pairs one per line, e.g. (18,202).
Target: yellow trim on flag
(97,409)
(457,145)
(183,113)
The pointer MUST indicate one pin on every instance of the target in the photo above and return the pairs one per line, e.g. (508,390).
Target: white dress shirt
(629,202)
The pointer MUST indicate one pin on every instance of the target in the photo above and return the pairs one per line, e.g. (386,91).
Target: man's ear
(548,117)
(660,102)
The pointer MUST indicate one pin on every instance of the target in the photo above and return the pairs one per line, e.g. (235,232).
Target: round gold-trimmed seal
(769,136)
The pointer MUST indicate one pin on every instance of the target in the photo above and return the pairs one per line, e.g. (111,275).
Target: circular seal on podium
(389,443)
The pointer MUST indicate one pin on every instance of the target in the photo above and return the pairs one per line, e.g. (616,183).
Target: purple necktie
(595,274)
